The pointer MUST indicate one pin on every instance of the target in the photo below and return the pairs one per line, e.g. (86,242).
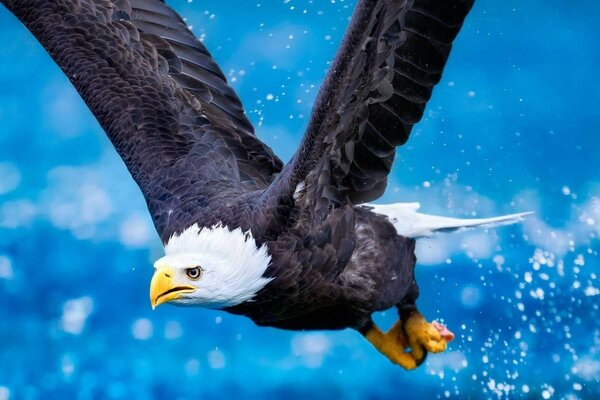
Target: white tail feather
(410,223)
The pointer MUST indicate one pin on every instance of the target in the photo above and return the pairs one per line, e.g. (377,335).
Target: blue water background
(513,126)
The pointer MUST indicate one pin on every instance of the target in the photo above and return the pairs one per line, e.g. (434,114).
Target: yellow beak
(164,289)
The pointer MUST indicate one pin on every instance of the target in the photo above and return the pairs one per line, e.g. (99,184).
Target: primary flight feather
(294,246)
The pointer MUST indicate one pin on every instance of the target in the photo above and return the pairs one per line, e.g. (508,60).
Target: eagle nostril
(167,275)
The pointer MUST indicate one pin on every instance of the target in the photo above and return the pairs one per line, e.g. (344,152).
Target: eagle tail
(410,223)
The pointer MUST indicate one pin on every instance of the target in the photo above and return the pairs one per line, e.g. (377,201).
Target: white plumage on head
(232,263)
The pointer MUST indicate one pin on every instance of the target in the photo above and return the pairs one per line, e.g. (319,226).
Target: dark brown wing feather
(392,56)
(161,99)
(188,61)
(338,263)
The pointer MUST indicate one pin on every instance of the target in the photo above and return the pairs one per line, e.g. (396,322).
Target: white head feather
(233,265)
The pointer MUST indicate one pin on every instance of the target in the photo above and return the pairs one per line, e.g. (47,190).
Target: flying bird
(296,245)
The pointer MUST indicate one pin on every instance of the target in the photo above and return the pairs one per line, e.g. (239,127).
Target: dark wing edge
(157,93)
(188,61)
(391,57)
(193,68)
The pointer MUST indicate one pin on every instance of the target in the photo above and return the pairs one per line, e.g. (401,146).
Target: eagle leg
(425,336)
(392,344)
(409,340)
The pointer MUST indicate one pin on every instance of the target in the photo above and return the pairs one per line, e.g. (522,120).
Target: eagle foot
(408,341)
(425,336)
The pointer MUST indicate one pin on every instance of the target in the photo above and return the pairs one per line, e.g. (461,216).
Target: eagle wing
(162,100)
(391,57)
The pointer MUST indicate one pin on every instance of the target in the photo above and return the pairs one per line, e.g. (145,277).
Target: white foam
(6,270)
(4,393)
(216,359)
(142,329)
(311,348)
(75,314)
(135,231)
(10,177)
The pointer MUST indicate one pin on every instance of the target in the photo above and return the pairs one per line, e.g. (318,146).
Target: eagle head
(210,267)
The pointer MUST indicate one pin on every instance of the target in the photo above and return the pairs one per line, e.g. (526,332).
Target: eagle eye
(194,273)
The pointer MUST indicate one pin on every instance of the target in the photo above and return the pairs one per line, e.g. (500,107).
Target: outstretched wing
(391,57)
(162,100)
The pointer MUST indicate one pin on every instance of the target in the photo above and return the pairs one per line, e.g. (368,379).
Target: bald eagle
(292,246)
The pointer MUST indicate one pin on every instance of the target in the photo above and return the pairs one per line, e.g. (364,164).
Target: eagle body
(293,245)
(335,275)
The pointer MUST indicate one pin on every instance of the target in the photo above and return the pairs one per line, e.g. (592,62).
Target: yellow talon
(423,336)
(407,343)
(392,345)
